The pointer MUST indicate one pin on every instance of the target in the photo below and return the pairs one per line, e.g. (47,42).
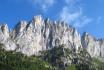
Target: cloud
(100,20)
(82,21)
(72,13)
(43,4)
(66,15)
(72,2)
(76,18)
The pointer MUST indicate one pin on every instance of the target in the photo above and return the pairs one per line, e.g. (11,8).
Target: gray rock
(38,35)
(5,38)
(94,46)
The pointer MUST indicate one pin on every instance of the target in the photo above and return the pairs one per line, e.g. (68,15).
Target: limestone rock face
(37,35)
(94,46)
(5,38)
(61,33)
(28,36)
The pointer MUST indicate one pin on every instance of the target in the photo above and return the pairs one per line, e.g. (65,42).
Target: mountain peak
(38,20)
(37,35)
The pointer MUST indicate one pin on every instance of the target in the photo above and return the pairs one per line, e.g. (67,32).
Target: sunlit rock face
(4,32)
(94,46)
(28,36)
(56,33)
(38,34)
(5,38)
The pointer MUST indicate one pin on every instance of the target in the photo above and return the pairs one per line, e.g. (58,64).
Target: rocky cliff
(38,34)
(94,46)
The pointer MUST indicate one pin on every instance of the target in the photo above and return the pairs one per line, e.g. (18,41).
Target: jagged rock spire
(37,35)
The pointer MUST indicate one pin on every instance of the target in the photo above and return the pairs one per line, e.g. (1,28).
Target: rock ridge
(38,35)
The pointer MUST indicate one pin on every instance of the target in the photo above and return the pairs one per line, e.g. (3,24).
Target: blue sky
(84,15)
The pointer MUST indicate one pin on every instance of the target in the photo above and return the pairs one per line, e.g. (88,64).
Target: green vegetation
(77,61)
(71,67)
(97,64)
(17,61)
(58,58)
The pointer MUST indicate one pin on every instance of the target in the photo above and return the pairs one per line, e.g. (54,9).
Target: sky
(84,15)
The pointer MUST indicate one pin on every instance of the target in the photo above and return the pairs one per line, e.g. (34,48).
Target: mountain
(42,44)
(37,35)
(94,46)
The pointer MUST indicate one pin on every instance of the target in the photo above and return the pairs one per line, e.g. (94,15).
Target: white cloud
(67,16)
(40,4)
(43,4)
(70,2)
(75,18)
(82,21)
(100,20)
(73,14)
